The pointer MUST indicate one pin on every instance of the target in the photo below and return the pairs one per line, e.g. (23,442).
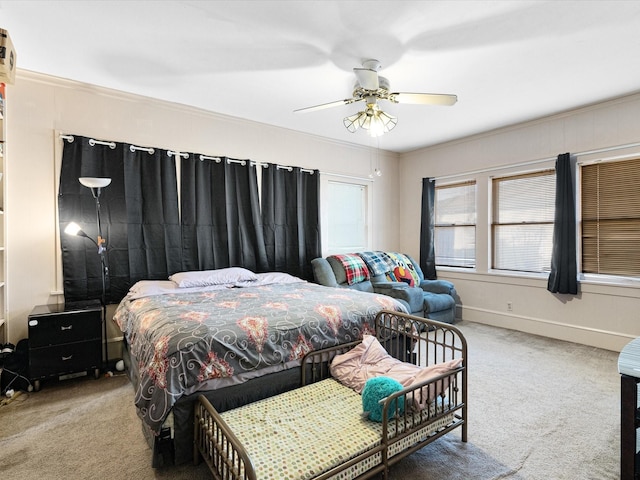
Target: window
(347,217)
(455,225)
(611,218)
(522,228)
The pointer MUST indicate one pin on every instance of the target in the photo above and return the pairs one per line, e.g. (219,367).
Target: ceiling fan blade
(367,78)
(322,106)
(424,98)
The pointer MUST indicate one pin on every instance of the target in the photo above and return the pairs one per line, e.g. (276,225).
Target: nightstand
(64,341)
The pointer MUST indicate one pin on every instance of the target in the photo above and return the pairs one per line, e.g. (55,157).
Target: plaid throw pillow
(376,262)
(354,267)
(402,261)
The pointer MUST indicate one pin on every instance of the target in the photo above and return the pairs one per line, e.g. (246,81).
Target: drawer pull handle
(62,327)
(64,359)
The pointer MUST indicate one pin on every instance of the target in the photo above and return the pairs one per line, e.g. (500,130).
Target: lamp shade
(94,182)
(74,229)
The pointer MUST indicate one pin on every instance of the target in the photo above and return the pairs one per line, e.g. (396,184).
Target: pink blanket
(370,359)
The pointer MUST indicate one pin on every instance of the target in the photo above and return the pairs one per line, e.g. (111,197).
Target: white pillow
(369,359)
(147,288)
(222,276)
(270,278)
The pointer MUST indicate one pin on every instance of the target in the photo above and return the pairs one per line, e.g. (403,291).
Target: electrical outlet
(509,307)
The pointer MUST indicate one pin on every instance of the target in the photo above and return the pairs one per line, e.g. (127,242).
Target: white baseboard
(601,338)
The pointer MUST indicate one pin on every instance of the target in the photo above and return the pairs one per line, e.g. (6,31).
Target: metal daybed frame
(411,339)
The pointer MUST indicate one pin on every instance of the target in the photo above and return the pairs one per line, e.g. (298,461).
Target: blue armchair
(433,299)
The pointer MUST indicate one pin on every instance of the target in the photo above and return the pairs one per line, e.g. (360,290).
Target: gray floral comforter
(180,340)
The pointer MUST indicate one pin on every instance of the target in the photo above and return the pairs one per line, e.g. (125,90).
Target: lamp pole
(104,271)
(96,185)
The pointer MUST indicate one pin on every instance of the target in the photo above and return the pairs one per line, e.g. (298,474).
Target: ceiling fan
(370,87)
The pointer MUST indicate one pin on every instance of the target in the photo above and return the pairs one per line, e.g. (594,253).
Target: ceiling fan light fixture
(371,88)
(354,122)
(382,123)
(373,120)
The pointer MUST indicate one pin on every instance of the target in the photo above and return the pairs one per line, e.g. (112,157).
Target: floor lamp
(96,185)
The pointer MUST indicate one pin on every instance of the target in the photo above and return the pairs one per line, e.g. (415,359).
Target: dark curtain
(291,219)
(427,248)
(153,228)
(139,218)
(219,225)
(82,271)
(563,274)
(220,215)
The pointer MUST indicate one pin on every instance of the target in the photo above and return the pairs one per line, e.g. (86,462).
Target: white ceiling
(508,61)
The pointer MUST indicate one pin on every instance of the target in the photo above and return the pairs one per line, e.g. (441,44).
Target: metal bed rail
(409,338)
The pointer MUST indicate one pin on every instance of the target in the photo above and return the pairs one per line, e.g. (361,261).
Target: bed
(318,431)
(232,335)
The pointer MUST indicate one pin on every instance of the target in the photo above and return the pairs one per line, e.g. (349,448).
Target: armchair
(392,274)
(439,296)
(331,273)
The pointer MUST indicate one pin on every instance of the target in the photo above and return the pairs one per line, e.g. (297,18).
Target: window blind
(611,218)
(522,227)
(455,225)
(347,227)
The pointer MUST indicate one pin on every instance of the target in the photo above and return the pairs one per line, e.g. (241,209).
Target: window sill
(607,280)
(589,284)
(500,273)
(514,274)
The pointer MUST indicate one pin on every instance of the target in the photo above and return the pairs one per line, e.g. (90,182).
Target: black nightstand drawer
(64,340)
(64,359)
(64,327)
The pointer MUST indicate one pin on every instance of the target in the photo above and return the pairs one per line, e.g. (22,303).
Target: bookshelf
(4,335)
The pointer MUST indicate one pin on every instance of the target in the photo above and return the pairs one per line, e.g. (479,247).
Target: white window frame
(492,224)
(326,183)
(597,278)
(437,226)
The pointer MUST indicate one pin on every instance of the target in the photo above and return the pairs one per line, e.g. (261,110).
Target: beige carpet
(538,409)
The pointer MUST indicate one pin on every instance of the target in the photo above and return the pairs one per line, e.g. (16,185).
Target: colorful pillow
(401,260)
(376,262)
(354,267)
(391,277)
(401,274)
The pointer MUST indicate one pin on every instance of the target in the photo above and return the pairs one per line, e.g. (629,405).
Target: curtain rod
(92,141)
(286,167)
(252,163)
(149,150)
(112,145)
(172,153)
(215,159)
(543,160)
(351,177)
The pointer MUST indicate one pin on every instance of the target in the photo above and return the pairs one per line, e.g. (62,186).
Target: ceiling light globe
(376,127)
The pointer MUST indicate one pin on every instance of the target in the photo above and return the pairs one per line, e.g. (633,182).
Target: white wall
(602,315)
(39,106)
